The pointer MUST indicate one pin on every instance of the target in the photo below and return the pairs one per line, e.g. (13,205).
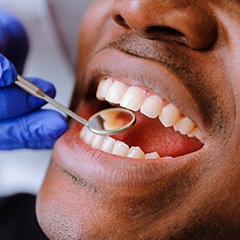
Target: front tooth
(108,144)
(133,98)
(136,152)
(153,155)
(116,92)
(88,136)
(103,88)
(120,149)
(83,132)
(97,141)
(169,116)
(184,126)
(152,106)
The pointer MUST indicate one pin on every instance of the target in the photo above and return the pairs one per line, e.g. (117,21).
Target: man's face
(176,173)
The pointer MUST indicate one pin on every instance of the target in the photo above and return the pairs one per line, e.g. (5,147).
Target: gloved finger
(13,39)
(8,73)
(37,130)
(15,102)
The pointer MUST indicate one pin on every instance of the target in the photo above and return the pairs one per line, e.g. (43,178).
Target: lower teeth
(110,145)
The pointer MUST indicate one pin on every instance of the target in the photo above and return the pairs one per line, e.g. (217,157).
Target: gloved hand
(22,123)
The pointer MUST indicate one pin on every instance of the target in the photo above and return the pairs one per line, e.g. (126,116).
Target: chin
(70,207)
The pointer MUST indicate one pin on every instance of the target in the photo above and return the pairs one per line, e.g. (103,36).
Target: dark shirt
(18,218)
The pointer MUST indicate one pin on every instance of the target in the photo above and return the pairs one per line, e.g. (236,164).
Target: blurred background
(53,27)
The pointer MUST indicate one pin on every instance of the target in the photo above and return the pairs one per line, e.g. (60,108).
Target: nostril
(155,32)
(120,20)
(168,33)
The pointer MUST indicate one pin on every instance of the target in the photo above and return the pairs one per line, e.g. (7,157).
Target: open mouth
(161,131)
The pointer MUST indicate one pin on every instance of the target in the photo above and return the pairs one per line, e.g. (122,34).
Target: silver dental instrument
(106,122)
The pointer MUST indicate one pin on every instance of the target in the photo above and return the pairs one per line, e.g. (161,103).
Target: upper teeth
(135,98)
(152,106)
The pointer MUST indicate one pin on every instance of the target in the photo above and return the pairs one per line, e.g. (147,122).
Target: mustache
(158,51)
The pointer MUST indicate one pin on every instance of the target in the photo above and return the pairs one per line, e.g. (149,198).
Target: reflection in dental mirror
(111,121)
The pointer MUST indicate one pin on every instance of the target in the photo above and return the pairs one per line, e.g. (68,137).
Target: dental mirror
(106,122)
(111,121)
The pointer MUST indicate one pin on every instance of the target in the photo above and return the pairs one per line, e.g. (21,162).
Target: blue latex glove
(22,123)
(13,40)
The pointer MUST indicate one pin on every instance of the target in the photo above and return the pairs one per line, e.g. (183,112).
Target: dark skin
(187,52)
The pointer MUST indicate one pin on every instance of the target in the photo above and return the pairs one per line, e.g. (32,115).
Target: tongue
(150,135)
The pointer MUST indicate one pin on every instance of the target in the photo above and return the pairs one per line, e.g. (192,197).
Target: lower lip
(97,167)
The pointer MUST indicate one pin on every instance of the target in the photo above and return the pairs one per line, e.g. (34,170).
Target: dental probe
(106,122)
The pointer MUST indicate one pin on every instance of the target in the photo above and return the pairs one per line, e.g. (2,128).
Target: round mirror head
(111,121)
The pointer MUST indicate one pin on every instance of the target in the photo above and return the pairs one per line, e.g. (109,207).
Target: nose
(182,21)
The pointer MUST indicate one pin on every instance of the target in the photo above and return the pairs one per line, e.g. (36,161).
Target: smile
(156,146)
(150,107)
